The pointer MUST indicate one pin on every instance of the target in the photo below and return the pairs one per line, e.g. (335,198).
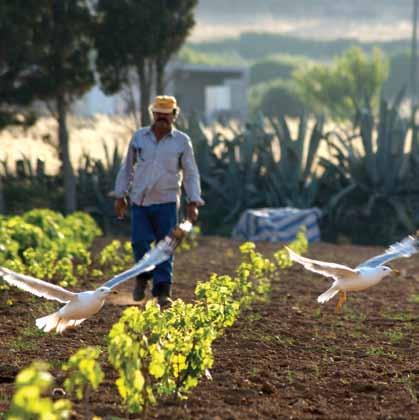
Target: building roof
(207,68)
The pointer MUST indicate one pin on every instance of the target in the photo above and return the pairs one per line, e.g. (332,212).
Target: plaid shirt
(153,171)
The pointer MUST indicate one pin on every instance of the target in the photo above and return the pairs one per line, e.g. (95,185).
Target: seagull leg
(341,301)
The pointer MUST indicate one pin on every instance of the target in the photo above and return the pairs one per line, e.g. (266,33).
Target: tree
(275,98)
(398,74)
(16,52)
(46,46)
(279,66)
(175,21)
(124,45)
(414,57)
(353,81)
(134,41)
(63,70)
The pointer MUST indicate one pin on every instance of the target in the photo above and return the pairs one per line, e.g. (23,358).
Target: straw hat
(164,104)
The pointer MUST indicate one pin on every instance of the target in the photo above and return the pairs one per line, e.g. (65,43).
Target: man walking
(159,159)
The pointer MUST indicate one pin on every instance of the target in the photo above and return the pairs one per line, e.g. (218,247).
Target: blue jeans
(148,224)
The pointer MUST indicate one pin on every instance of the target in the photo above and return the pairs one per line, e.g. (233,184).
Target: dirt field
(288,358)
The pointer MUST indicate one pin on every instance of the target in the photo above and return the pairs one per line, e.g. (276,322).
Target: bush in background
(276,97)
(279,66)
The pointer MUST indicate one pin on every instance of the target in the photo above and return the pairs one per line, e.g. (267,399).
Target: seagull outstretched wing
(140,267)
(327,269)
(36,286)
(160,253)
(405,248)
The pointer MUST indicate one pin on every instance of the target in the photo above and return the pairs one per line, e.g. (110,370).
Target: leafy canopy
(353,81)
(16,53)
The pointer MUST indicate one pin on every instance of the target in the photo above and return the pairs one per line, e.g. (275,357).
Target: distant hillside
(254,46)
(316,19)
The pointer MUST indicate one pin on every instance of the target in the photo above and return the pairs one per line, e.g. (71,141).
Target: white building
(207,91)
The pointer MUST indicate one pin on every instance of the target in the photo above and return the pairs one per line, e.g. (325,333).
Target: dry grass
(87,135)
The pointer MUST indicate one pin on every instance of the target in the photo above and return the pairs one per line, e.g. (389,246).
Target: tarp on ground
(277,224)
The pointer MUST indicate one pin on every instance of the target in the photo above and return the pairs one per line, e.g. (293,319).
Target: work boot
(140,288)
(162,291)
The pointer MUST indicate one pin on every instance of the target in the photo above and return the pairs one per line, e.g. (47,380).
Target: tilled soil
(287,358)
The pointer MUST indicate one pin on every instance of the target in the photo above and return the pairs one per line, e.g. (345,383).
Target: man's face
(163,120)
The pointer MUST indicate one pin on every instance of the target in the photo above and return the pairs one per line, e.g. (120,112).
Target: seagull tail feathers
(63,324)
(327,295)
(49,322)
(55,322)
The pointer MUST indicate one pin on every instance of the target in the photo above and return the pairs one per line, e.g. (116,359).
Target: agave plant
(240,171)
(294,177)
(370,172)
(229,171)
(95,180)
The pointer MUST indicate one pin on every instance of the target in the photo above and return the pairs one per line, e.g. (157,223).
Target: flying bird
(365,275)
(80,306)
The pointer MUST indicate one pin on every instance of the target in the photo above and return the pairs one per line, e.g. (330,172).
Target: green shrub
(28,401)
(84,372)
(49,221)
(275,67)
(274,98)
(399,74)
(48,245)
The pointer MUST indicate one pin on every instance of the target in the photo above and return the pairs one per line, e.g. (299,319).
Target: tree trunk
(414,57)
(67,168)
(145,76)
(160,65)
(2,202)
(130,100)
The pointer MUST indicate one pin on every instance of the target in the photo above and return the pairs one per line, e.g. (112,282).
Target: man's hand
(121,206)
(192,211)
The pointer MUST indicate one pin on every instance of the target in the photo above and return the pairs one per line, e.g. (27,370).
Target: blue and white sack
(277,224)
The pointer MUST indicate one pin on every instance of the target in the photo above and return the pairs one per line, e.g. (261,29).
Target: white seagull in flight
(365,275)
(80,306)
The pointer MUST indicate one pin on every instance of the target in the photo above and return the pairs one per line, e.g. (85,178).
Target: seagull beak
(114,292)
(396,272)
